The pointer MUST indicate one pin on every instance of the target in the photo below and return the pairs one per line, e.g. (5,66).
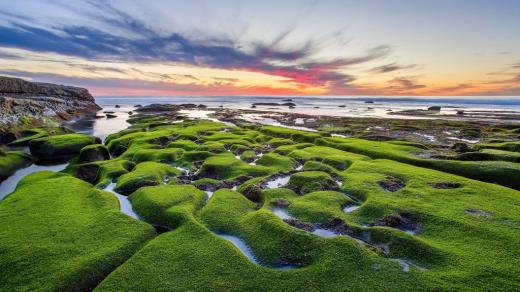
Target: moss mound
(311,181)
(77,235)
(60,146)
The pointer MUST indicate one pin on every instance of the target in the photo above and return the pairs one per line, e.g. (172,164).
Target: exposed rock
(460,112)
(137,105)
(155,107)
(478,213)
(434,108)
(88,172)
(342,105)
(266,104)
(282,203)
(460,147)
(287,99)
(22,99)
(111,116)
(391,184)
(202,106)
(300,224)
(402,220)
(369,101)
(446,185)
(188,105)
(117,106)
(289,104)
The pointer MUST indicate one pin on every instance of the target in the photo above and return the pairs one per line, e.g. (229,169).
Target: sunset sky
(151,48)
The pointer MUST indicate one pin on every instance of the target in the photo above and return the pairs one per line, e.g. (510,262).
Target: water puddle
(464,140)
(9,185)
(351,208)
(281,213)
(210,194)
(248,252)
(405,264)
(324,233)
(124,202)
(277,182)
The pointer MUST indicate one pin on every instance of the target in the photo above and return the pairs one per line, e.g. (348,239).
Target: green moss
(57,238)
(170,205)
(93,152)
(60,146)
(310,181)
(508,146)
(214,147)
(490,154)
(187,145)
(295,135)
(225,166)
(248,156)
(145,174)
(11,161)
(278,162)
(167,155)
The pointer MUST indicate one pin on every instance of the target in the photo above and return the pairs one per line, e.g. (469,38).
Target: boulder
(434,108)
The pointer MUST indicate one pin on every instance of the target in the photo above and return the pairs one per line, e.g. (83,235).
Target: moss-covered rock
(311,181)
(61,234)
(11,161)
(145,174)
(60,146)
(94,152)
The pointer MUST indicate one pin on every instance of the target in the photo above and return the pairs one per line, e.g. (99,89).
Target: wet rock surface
(391,184)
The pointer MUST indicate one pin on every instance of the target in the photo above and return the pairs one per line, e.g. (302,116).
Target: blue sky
(266,47)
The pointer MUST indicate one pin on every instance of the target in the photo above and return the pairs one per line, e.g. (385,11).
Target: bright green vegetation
(11,161)
(145,174)
(348,213)
(93,152)
(61,234)
(501,172)
(310,181)
(60,146)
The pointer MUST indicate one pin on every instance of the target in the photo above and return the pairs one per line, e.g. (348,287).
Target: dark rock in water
(460,113)
(221,106)
(108,112)
(434,108)
(117,106)
(289,104)
(88,173)
(155,107)
(300,224)
(404,221)
(187,105)
(95,152)
(376,137)
(137,105)
(342,105)
(282,203)
(7,138)
(98,117)
(460,147)
(253,106)
(266,104)
(446,185)
(111,116)
(316,107)
(391,184)
(287,99)
(130,113)
(202,106)
(369,101)
(24,99)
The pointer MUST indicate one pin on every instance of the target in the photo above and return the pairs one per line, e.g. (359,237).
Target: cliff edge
(20,99)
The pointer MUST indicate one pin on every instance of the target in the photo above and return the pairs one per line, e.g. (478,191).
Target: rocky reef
(22,101)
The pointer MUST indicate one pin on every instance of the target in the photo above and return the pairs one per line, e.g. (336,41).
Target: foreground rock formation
(21,101)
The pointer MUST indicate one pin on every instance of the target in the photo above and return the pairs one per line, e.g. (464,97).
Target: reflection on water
(101,126)
(8,185)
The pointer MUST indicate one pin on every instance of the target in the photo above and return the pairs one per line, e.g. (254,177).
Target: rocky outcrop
(20,99)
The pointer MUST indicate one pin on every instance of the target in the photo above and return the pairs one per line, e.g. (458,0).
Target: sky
(351,48)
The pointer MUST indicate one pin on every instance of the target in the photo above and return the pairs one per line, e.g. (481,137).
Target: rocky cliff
(20,99)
